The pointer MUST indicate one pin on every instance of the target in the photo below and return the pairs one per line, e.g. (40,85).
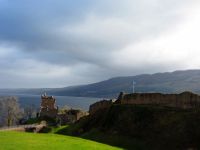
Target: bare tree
(30,111)
(10,111)
(2,114)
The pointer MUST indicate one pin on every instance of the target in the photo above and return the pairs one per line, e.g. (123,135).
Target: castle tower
(48,106)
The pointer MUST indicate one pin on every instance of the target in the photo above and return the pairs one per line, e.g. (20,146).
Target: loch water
(70,101)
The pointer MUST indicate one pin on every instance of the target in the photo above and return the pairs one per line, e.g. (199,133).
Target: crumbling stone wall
(100,105)
(182,100)
(71,116)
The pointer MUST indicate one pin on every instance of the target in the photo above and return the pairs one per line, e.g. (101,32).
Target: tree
(10,111)
(30,111)
(2,114)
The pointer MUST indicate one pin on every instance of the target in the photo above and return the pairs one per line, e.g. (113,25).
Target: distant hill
(168,82)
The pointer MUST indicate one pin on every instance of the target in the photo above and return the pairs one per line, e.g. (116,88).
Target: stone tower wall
(48,107)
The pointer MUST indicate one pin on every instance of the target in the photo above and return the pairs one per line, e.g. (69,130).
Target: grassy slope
(31,141)
(140,127)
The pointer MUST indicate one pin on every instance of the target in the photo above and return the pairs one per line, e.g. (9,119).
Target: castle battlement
(183,100)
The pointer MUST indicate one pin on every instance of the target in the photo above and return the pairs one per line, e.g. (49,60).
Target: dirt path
(34,127)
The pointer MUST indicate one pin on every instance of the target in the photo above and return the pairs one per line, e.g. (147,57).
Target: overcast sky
(57,43)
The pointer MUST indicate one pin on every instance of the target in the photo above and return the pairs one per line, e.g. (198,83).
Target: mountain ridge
(166,82)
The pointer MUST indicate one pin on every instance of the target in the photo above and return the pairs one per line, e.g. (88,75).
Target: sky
(59,43)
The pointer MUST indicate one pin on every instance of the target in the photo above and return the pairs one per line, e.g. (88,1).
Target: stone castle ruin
(71,116)
(48,106)
(183,100)
(48,109)
(104,104)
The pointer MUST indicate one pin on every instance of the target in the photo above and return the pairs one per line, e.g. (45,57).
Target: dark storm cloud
(82,41)
(31,22)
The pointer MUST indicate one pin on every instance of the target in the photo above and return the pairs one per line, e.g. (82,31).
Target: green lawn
(32,141)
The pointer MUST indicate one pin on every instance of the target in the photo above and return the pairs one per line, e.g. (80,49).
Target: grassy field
(31,141)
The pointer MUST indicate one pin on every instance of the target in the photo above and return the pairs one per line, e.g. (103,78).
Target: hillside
(168,82)
(142,127)
(31,141)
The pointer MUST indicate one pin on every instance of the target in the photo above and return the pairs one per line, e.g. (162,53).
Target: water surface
(73,102)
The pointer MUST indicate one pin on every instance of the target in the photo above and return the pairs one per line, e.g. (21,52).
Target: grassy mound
(141,127)
(31,141)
